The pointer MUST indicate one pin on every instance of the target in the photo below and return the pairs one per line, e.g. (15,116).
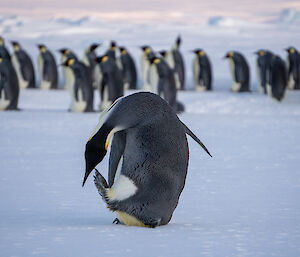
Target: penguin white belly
(170,60)
(259,85)
(145,73)
(22,83)
(69,78)
(153,78)
(98,76)
(85,60)
(3,102)
(196,71)
(269,90)
(122,188)
(291,82)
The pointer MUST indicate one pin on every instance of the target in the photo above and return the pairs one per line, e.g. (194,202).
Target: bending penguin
(240,72)
(202,71)
(47,69)
(175,61)
(82,93)
(128,69)
(293,61)
(68,74)
(89,59)
(23,66)
(148,159)
(278,78)
(111,83)
(263,62)
(9,85)
(3,51)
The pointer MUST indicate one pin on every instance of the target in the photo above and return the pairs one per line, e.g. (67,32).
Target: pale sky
(176,10)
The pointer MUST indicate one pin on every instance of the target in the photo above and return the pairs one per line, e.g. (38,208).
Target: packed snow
(242,202)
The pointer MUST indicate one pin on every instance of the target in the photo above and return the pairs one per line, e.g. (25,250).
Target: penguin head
(163,53)
(229,55)
(199,52)
(69,62)
(146,49)
(42,48)
(64,51)
(102,59)
(154,60)
(113,46)
(178,41)
(16,45)
(122,50)
(291,50)
(260,52)
(93,47)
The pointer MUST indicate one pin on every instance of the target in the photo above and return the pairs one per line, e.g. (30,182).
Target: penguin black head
(102,59)
(163,53)
(16,45)
(199,52)
(69,62)
(154,60)
(64,51)
(178,41)
(146,49)
(260,52)
(291,50)
(42,48)
(95,150)
(113,45)
(229,55)
(93,47)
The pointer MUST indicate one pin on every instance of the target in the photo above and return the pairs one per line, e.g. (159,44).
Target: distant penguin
(111,52)
(264,59)
(293,61)
(166,86)
(68,74)
(47,69)
(202,71)
(82,93)
(240,72)
(89,59)
(278,79)
(175,61)
(23,66)
(148,159)
(111,85)
(148,74)
(3,51)
(9,85)
(128,69)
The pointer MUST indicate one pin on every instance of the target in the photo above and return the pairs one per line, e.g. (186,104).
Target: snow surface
(242,202)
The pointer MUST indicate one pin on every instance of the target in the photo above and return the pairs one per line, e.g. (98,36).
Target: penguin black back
(264,61)
(293,68)
(278,78)
(128,69)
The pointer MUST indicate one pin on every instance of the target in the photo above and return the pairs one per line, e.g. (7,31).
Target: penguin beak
(224,57)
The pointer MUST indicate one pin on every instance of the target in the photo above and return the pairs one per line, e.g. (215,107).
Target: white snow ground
(242,202)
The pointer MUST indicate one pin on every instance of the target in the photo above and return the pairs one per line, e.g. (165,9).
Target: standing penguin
(89,59)
(9,85)
(278,78)
(82,93)
(148,73)
(293,61)
(23,66)
(264,60)
(47,69)
(202,71)
(68,74)
(111,52)
(148,159)
(3,51)
(239,71)
(129,69)
(166,86)
(111,85)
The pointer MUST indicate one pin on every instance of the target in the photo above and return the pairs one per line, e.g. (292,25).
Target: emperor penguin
(128,69)
(263,63)
(278,78)
(239,70)
(293,61)
(175,61)
(82,93)
(9,85)
(166,87)
(202,71)
(3,51)
(148,159)
(23,66)
(89,59)
(68,74)
(111,84)
(111,52)
(149,72)
(47,69)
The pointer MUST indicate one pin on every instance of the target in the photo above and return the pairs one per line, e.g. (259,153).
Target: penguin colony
(162,72)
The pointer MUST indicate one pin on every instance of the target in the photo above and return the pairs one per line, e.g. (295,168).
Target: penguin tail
(193,136)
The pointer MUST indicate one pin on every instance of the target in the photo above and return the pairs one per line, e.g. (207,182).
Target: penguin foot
(101,185)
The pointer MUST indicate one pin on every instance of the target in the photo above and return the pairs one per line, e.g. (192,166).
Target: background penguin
(47,69)
(263,62)
(128,69)
(68,74)
(23,66)
(278,79)
(89,59)
(175,61)
(148,159)
(111,52)
(82,93)
(3,51)
(239,71)
(111,85)
(293,61)
(166,87)
(150,80)
(9,85)
(202,71)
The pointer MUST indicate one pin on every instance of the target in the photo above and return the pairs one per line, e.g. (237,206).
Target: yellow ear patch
(230,54)
(0,59)
(70,62)
(261,53)
(147,50)
(43,49)
(114,48)
(291,50)
(104,59)
(201,53)
(16,47)
(123,51)
(156,61)
(66,52)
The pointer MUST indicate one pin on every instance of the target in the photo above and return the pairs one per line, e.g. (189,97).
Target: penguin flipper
(101,185)
(193,136)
